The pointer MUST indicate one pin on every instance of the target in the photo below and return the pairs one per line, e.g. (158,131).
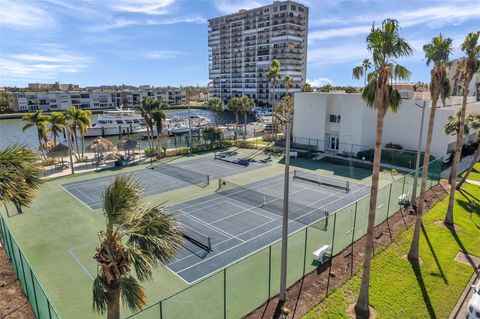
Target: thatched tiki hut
(59,150)
(127,145)
(99,146)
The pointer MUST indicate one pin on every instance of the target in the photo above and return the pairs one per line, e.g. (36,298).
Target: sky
(164,42)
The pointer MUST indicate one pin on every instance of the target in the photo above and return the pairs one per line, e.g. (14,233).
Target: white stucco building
(339,120)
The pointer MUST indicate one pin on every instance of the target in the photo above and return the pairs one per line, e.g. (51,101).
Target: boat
(117,122)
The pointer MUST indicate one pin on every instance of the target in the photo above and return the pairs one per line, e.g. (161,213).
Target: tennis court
(237,221)
(164,177)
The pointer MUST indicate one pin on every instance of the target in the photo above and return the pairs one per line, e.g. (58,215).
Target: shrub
(49,161)
(394,146)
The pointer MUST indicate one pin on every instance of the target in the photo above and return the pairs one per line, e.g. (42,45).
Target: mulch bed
(13,302)
(314,287)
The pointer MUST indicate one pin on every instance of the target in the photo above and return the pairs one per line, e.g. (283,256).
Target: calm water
(11,130)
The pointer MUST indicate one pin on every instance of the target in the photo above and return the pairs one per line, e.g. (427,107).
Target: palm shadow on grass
(463,249)
(442,274)
(426,298)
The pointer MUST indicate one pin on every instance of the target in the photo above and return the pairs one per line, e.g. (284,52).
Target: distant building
(54,86)
(340,123)
(474,87)
(242,46)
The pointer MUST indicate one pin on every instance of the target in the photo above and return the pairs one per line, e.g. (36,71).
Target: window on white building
(335,118)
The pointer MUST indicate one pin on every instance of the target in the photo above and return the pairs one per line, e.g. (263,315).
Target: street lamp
(419,151)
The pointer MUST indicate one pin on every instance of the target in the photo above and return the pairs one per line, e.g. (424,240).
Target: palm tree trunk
(362,306)
(83,144)
(245,126)
(458,153)
(236,125)
(69,137)
(476,158)
(40,145)
(54,138)
(76,141)
(114,310)
(414,247)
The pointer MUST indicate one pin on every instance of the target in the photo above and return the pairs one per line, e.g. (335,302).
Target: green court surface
(58,236)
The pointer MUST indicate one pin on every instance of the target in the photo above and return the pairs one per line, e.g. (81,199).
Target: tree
(235,105)
(273,75)
(474,122)
(326,88)
(247,106)
(216,106)
(136,235)
(145,109)
(79,121)
(212,134)
(307,87)
(467,67)
(20,176)
(5,101)
(39,121)
(436,52)
(158,116)
(362,71)
(57,123)
(386,46)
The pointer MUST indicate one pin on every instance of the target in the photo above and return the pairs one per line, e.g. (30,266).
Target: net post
(348,186)
(208,179)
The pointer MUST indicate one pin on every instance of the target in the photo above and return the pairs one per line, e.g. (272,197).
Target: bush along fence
(39,300)
(246,284)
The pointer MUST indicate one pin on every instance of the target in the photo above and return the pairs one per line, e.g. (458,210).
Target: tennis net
(232,159)
(197,238)
(298,212)
(183,174)
(322,180)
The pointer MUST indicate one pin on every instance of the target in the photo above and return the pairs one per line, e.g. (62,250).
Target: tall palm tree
(273,75)
(468,66)
(158,117)
(39,121)
(436,52)
(474,123)
(19,176)
(145,108)
(137,236)
(235,106)
(57,123)
(216,106)
(362,71)
(247,106)
(307,87)
(79,121)
(386,46)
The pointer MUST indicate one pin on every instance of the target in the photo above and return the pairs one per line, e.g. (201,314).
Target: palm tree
(436,52)
(326,88)
(362,71)
(386,46)
(19,176)
(273,74)
(69,127)
(137,236)
(468,66)
(216,106)
(39,121)
(247,106)
(80,121)
(235,106)
(158,117)
(307,87)
(145,108)
(474,122)
(57,123)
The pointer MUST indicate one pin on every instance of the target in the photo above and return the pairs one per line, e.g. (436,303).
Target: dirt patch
(467,259)
(351,312)
(315,286)
(13,302)
(441,223)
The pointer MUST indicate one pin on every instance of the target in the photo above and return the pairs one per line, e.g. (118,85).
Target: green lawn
(475,174)
(397,289)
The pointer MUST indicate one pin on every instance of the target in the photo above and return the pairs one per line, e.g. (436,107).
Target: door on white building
(334,143)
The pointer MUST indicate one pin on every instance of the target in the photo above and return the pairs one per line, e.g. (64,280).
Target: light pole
(189,129)
(419,151)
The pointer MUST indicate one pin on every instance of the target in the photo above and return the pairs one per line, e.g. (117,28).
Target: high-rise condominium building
(242,46)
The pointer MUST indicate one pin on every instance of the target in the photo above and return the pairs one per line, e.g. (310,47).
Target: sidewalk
(464,164)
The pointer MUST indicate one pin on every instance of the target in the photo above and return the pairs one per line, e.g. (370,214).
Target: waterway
(11,130)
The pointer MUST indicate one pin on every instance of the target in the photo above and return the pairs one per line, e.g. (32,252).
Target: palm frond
(101,295)
(368,94)
(143,263)
(120,198)
(133,294)
(358,72)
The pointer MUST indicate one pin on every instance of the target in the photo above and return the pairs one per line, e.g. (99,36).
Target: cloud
(45,63)
(336,54)
(124,22)
(319,82)
(338,32)
(19,14)
(150,7)
(162,54)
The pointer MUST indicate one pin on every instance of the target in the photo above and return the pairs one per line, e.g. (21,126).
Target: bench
(322,254)
(294,154)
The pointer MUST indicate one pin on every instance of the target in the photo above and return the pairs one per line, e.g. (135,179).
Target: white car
(474,303)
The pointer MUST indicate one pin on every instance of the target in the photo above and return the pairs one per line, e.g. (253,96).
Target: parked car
(474,303)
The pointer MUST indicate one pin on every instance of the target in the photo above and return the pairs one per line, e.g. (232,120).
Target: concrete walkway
(464,165)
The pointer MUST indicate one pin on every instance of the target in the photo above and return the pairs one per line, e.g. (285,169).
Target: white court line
(182,270)
(82,193)
(220,231)
(76,197)
(244,209)
(81,265)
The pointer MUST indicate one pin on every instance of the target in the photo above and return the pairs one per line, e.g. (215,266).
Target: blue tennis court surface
(154,181)
(237,226)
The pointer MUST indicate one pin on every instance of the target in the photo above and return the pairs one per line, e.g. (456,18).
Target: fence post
(23,271)
(48,306)
(225,293)
(269,270)
(305,251)
(353,234)
(34,291)
(161,310)
(331,255)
